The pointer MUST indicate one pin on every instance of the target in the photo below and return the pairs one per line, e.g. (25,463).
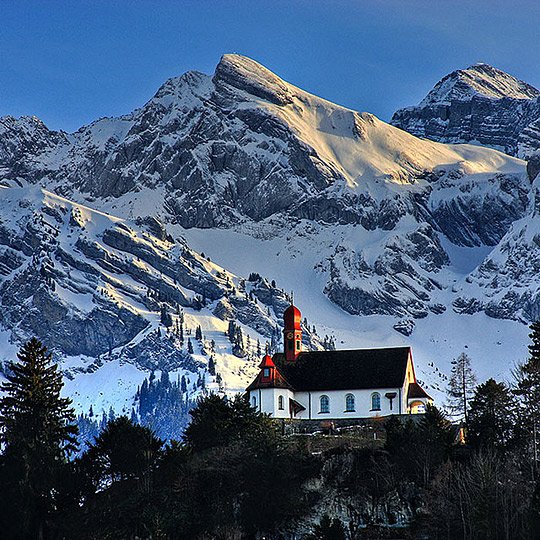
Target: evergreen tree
(38,431)
(328,529)
(122,450)
(189,346)
(528,389)
(216,421)
(461,386)
(212,366)
(165,317)
(164,379)
(231,331)
(198,333)
(491,416)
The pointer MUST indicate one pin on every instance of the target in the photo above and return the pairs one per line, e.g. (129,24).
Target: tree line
(232,474)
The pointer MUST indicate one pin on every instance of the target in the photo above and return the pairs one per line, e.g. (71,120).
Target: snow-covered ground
(494,345)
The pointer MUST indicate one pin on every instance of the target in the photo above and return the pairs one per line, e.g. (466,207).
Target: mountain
(480,104)
(380,234)
(97,289)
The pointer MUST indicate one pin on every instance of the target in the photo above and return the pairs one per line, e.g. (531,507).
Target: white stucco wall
(266,400)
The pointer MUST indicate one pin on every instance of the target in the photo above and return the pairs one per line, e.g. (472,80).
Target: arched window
(349,403)
(254,401)
(375,401)
(325,404)
(280,403)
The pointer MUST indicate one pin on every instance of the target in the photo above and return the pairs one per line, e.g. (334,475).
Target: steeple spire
(292,333)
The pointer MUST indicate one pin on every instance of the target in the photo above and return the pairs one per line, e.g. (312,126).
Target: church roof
(345,370)
(416,391)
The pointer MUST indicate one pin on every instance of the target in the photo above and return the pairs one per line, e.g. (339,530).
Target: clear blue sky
(72,62)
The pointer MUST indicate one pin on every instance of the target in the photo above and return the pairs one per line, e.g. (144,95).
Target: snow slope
(380,234)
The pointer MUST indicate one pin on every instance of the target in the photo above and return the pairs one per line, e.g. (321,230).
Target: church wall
(338,405)
(267,401)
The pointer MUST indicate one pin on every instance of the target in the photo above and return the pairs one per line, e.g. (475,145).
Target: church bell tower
(292,333)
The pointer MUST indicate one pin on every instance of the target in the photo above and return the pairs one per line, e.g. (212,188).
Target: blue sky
(72,62)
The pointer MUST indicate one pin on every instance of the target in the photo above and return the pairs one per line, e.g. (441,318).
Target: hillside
(381,235)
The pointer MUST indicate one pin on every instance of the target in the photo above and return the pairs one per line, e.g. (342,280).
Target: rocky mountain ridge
(99,290)
(349,211)
(482,105)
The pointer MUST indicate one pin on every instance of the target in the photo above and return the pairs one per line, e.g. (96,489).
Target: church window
(280,403)
(266,372)
(298,345)
(349,403)
(290,345)
(254,401)
(375,401)
(324,404)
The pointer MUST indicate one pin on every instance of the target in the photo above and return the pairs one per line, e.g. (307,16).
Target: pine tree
(38,431)
(231,331)
(212,366)
(461,386)
(189,346)
(198,333)
(491,416)
(165,317)
(528,389)
(164,379)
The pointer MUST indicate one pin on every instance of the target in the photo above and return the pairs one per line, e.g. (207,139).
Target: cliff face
(352,212)
(480,104)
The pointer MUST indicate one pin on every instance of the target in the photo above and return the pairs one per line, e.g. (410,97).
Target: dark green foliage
(534,346)
(492,416)
(420,446)
(38,431)
(121,451)
(165,317)
(217,421)
(212,366)
(328,529)
(236,337)
(117,482)
(528,391)
(163,406)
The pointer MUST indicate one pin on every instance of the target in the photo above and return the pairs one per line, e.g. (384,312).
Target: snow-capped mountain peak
(358,216)
(478,79)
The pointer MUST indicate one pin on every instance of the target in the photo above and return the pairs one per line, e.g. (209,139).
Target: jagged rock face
(88,284)
(240,145)
(400,279)
(480,104)
(245,150)
(505,285)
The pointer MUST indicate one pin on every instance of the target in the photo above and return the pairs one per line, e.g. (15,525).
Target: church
(335,385)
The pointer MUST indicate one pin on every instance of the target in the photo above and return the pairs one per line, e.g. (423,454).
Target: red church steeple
(292,333)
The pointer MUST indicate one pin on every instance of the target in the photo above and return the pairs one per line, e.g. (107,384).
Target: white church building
(333,385)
